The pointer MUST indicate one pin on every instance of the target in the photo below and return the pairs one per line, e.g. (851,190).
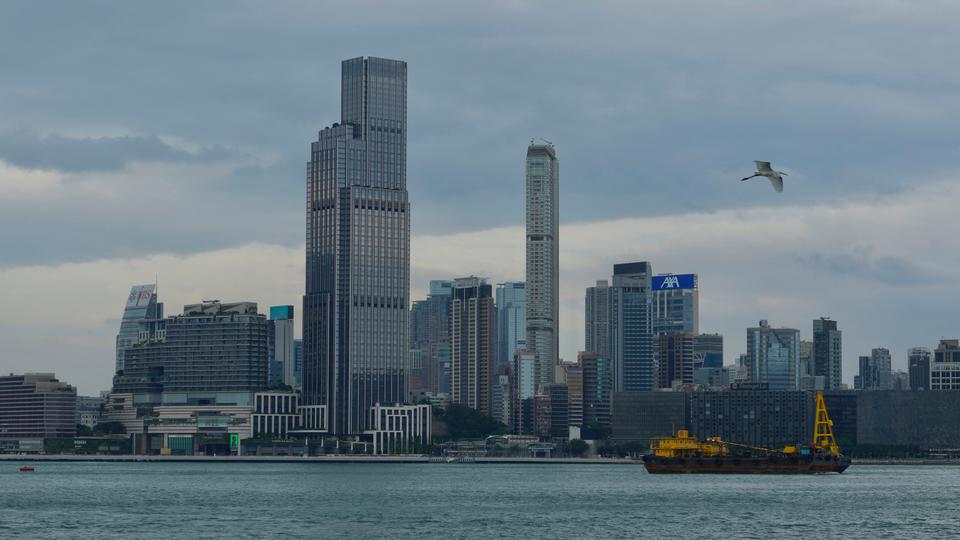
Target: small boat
(26,468)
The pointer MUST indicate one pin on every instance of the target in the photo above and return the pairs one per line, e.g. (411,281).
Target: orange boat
(26,468)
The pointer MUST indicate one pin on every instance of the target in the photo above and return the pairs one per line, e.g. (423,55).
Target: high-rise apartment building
(281,366)
(918,364)
(473,343)
(430,339)
(827,353)
(676,303)
(511,304)
(356,304)
(542,258)
(632,345)
(597,319)
(141,304)
(773,356)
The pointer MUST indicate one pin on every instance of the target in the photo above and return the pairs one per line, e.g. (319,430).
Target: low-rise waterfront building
(34,407)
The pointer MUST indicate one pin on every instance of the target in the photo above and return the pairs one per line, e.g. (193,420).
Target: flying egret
(776,177)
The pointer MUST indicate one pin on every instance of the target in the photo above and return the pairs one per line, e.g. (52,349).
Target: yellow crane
(823,428)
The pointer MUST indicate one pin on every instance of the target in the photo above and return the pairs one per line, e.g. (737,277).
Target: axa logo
(670,282)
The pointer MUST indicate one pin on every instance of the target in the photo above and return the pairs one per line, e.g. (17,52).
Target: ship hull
(746,465)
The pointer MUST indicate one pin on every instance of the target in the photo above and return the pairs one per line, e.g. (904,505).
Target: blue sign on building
(674,281)
(281,312)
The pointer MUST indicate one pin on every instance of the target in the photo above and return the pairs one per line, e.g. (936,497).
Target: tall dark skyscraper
(358,249)
(827,352)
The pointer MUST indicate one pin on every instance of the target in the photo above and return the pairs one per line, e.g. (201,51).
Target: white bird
(776,177)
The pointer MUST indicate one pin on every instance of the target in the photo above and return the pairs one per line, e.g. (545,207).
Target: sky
(167,141)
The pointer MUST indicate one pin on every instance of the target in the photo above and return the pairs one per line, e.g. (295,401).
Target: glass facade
(773,356)
(358,249)
(632,340)
(511,320)
(141,304)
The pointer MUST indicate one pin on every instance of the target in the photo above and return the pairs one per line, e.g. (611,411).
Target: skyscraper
(676,303)
(358,249)
(675,359)
(918,362)
(543,195)
(472,343)
(281,367)
(827,353)
(597,319)
(430,339)
(773,356)
(511,320)
(141,304)
(632,346)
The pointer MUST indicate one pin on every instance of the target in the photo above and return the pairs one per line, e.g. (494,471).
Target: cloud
(72,154)
(753,264)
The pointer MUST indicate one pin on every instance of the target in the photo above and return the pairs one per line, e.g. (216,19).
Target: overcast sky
(169,139)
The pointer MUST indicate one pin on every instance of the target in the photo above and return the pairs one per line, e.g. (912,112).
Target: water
(255,500)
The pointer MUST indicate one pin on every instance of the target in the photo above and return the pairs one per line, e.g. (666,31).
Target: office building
(511,302)
(430,339)
(640,416)
(597,398)
(597,319)
(945,368)
(275,413)
(713,377)
(542,258)
(213,352)
(574,380)
(355,310)
(298,364)
(676,303)
(874,371)
(141,304)
(472,343)
(708,350)
(828,352)
(773,356)
(559,402)
(757,417)
(675,360)
(632,345)
(399,429)
(89,409)
(524,390)
(281,363)
(34,407)
(806,358)
(918,364)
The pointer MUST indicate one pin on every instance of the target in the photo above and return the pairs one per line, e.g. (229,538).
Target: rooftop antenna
(546,141)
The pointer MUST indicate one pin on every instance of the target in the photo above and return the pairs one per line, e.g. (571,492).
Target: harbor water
(260,500)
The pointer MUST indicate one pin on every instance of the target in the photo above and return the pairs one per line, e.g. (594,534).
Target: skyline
(103,198)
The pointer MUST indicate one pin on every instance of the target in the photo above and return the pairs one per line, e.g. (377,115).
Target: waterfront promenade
(317,459)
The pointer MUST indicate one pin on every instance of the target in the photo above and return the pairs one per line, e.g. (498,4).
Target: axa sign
(674,281)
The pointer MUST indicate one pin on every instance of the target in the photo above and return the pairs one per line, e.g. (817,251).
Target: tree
(110,428)
(578,447)
(466,423)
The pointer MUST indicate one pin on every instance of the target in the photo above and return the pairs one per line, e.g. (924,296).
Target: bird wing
(777,183)
(763,166)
